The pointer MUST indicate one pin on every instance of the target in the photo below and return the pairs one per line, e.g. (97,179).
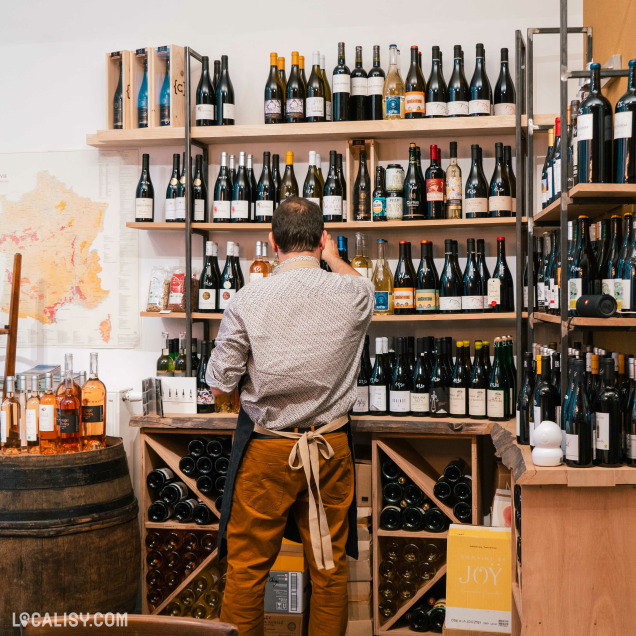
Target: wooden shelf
(591,199)
(137,137)
(418,534)
(574,322)
(159,314)
(175,525)
(156,227)
(547,318)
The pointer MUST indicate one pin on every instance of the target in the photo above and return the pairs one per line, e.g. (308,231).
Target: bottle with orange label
(404,282)
(415,89)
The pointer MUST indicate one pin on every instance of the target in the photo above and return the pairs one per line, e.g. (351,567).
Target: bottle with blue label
(378,205)
(393,93)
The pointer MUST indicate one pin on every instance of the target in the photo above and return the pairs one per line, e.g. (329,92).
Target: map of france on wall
(66,213)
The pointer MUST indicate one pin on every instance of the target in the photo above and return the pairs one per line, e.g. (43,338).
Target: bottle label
(496,204)
(67,421)
(47,418)
(623,125)
(294,107)
(541,294)
(608,287)
(572,447)
(240,209)
(426,300)
(328,111)
(222,210)
(228,111)
(450,303)
(3,426)
(199,210)
(383,301)
(473,302)
(394,179)
(204,111)
(458,108)
(341,83)
(435,189)
(375,85)
(626,298)
(479,106)
(575,287)
(143,209)
(602,431)
(362,400)
(359,86)
(207,298)
(363,271)
(225,296)
(457,401)
(180,209)
(93,414)
(475,205)
(494,292)
(394,208)
(617,292)
(477,402)
(393,105)
(454,189)
(549,182)
(171,209)
(554,294)
(556,176)
(585,127)
(403,297)
(525,297)
(399,401)
(437,109)
(439,400)
(420,402)
(414,102)
(332,205)
(273,107)
(496,403)
(315,106)
(378,206)
(518,427)
(377,398)
(631,446)
(265,208)
(505,109)
(256,276)
(32,425)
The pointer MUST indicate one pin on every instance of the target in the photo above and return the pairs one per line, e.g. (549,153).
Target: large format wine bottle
(476,203)
(222,204)
(594,133)
(415,89)
(480,92)
(274,93)
(383,282)
(288,184)
(436,90)
(458,89)
(577,420)
(504,89)
(454,187)
(375,85)
(265,194)
(359,90)
(241,194)
(473,289)
(608,418)
(341,86)
(501,296)
(362,191)
(427,290)
(205,97)
(450,294)
(500,191)
(210,281)
(404,282)
(401,383)
(145,196)
(333,194)
(624,132)
(315,100)
(171,191)
(414,190)
(295,94)
(225,115)
(393,91)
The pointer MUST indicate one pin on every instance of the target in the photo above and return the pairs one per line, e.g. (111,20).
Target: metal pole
(530,183)
(519,82)
(188,229)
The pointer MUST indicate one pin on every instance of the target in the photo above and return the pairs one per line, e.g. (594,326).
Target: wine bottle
(427,290)
(379,195)
(199,193)
(440,381)
(505,96)
(414,190)
(359,90)
(480,103)
(145,196)
(478,386)
(498,406)
(241,194)
(276,179)
(458,391)
(624,140)
(361,405)
(225,112)
(294,94)
(343,249)
(265,194)
(383,282)
(118,100)
(420,394)
(415,89)
(476,203)
(545,398)
(361,262)
(500,191)
(393,90)
(315,100)
(578,422)
(524,401)
(404,281)
(584,276)
(594,133)
(378,383)
(312,189)
(210,281)
(511,178)
(401,383)
(164,96)
(483,269)
(546,172)
(229,279)
(328,96)
(608,420)
(450,301)
(472,291)
(435,186)
(341,86)
(458,89)
(375,85)
(343,184)
(237,266)
(454,187)
(232,172)
(436,89)
(500,287)
(204,113)
(301,70)
(333,194)
(274,94)
(362,190)
(142,97)
(624,266)
(222,205)
(280,63)
(171,191)
(552,278)
(288,184)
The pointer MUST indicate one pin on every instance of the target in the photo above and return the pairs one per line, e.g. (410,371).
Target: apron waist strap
(305,454)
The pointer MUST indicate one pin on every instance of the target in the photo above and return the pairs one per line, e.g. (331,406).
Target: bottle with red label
(435,186)
(414,189)
(404,282)
(415,89)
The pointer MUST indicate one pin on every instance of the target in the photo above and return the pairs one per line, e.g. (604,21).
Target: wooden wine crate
(175,55)
(352,165)
(138,58)
(116,62)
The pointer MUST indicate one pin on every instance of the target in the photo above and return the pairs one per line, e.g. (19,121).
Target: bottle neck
(595,80)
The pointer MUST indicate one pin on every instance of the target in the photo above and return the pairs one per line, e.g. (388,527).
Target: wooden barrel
(69,535)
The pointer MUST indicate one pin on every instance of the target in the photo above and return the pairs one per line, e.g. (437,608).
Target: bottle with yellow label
(382,279)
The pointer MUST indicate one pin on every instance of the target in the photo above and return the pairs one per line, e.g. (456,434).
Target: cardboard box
(363,533)
(363,483)
(360,628)
(501,512)
(360,611)
(359,570)
(287,592)
(291,558)
(286,624)
(503,477)
(478,579)
(364,551)
(364,512)
(359,591)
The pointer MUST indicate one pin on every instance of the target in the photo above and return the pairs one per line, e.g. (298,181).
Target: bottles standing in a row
(214,105)
(431,384)
(70,420)
(356,95)
(172,361)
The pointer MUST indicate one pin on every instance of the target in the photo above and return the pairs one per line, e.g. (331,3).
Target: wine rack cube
(175,55)
(114,62)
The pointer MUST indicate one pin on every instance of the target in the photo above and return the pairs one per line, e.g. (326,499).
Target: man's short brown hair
(297,225)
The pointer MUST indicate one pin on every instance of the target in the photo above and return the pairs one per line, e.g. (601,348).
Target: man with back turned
(293,341)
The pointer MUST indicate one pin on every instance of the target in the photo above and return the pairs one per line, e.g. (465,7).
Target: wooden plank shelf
(159,226)
(618,322)
(591,199)
(417,534)
(137,137)
(175,525)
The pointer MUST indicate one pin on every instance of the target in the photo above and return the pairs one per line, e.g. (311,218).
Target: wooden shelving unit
(137,137)
(616,322)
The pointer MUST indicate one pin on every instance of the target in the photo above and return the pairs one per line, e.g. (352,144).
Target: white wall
(54,90)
